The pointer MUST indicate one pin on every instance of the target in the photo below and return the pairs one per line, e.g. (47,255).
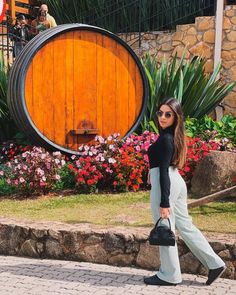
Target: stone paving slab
(24,276)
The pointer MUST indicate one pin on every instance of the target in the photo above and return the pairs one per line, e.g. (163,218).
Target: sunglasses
(167,115)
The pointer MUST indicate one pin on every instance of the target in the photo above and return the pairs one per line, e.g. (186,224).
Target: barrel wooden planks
(73,82)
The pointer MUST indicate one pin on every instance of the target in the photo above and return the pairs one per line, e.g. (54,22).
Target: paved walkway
(23,276)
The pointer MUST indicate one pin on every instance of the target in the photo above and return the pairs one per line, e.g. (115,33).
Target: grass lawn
(114,209)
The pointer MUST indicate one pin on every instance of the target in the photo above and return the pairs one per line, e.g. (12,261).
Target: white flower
(73,157)
(44,178)
(102,159)
(63,162)
(57,177)
(111,160)
(39,171)
(57,161)
(100,139)
(1,173)
(109,138)
(56,154)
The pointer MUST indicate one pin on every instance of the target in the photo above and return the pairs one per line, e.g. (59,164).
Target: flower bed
(111,164)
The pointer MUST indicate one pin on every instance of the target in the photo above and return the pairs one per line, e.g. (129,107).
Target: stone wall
(116,246)
(197,40)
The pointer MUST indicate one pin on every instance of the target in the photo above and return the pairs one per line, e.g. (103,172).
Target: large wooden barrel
(74,81)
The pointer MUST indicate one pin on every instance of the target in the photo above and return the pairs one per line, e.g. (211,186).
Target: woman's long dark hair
(180,150)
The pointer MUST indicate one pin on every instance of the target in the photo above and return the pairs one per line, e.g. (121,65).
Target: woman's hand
(164,213)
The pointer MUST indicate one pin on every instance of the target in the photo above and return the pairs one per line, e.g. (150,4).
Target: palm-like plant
(7,125)
(198,92)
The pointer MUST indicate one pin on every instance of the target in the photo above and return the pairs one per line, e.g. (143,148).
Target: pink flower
(21,180)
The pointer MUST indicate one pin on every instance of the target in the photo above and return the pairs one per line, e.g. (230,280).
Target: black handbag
(162,235)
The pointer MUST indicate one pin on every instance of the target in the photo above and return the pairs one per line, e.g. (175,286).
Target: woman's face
(166,116)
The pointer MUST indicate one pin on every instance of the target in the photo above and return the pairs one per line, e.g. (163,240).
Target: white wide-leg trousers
(169,270)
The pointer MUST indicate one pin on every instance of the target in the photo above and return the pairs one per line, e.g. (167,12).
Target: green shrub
(223,131)
(67,179)
(5,188)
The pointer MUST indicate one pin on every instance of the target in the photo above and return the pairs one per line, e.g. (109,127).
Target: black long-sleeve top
(160,155)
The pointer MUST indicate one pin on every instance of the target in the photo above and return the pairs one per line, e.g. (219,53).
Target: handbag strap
(160,220)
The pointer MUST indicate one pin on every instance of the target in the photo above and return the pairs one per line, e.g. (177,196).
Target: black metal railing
(154,15)
(123,16)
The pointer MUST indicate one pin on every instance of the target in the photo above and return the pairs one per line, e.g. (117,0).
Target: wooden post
(12,9)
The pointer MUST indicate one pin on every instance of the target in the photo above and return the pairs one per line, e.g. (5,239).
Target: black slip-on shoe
(215,274)
(154,280)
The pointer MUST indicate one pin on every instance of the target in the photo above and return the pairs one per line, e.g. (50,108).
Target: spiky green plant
(7,125)
(198,92)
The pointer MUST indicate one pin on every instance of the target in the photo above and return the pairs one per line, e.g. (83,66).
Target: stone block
(190,40)
(231,36)
(53,249)
(180,50)
(205,23)
(230,100)
(209,66)
(234,250)
(230,270)
(218,246)
(233,20)
(184,28)
(227,45)
(29,248)
(113,243)
(228,55)
(178,36)
(148,256)
(229,110)
(39,233)
(93,253)
(166,47)
(209,36)
(189,263)
(121,260)
(192,31)
(225,255)
(176,43)
(226,23)
(214,173)
(201,49)
(229,13)
(232,73)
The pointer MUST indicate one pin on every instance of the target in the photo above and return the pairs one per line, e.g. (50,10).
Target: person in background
(44,8)
(169,198)
(40,24)
(19,34)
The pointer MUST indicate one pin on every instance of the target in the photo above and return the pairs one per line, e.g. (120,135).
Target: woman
(169,198)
